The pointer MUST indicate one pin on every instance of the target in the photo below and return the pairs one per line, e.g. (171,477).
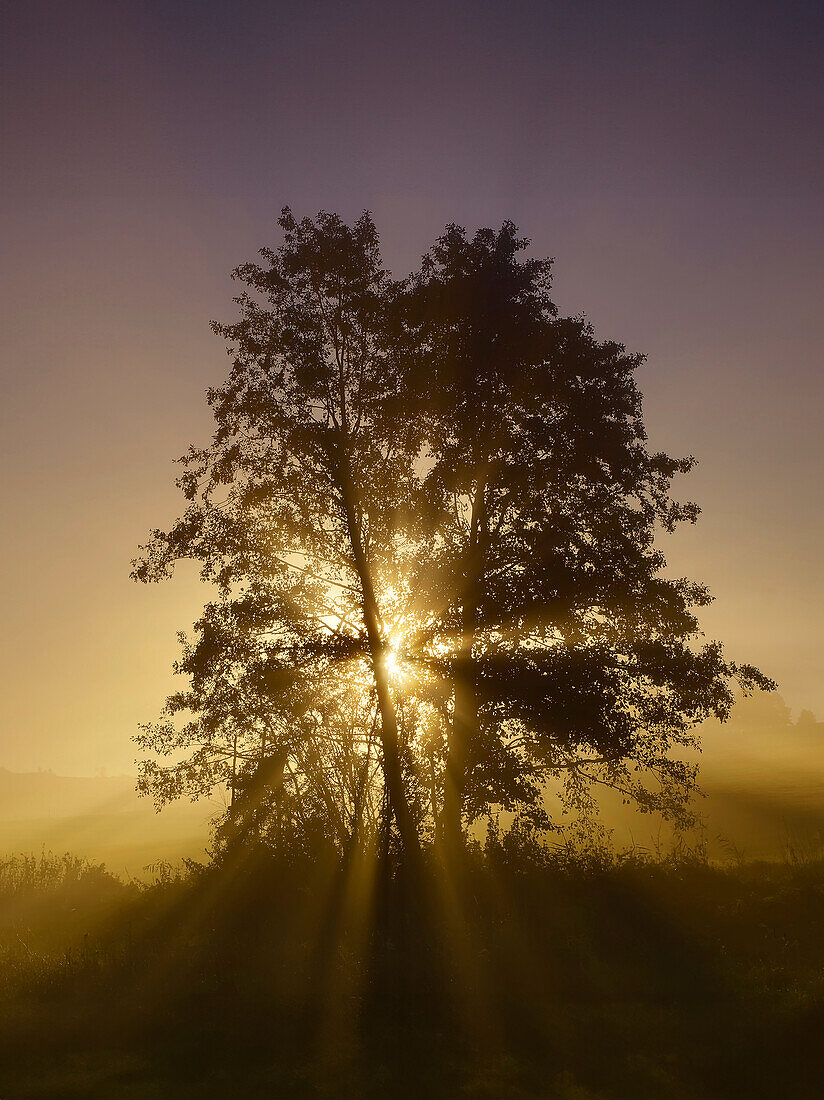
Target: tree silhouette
(429,511)
(570,651)
(314,451)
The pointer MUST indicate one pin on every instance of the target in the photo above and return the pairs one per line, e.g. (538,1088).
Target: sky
(668,156)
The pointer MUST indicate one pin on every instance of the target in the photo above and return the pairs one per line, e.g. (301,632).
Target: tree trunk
(377,650)
(464,729)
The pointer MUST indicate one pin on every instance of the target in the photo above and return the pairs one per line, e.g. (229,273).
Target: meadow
(577,976)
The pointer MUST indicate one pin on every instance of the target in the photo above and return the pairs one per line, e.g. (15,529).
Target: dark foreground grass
(257,979)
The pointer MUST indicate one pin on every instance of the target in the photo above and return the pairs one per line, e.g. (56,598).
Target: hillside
(100,818)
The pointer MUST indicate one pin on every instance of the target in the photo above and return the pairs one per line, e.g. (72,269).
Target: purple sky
(669,156)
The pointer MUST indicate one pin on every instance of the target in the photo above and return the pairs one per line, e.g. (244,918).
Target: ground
(571,980)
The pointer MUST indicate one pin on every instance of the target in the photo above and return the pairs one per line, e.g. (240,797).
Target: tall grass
(555,973)
(49,873)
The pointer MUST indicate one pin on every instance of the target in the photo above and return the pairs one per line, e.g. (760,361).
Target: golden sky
(670,162)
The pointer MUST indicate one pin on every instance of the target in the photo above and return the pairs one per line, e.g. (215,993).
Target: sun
(392,660)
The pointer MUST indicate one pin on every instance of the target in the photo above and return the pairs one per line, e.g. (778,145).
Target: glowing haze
(668,156)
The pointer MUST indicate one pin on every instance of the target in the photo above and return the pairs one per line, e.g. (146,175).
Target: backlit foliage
(429,514)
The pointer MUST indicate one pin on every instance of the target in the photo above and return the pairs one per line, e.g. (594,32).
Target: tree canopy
(429,514)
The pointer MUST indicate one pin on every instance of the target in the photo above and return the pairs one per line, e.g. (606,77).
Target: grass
(568,978)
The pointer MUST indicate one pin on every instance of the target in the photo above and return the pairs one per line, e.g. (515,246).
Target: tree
(314,453)
(569,650)
(437,580)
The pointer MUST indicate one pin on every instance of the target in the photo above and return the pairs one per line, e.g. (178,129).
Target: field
(569,978)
